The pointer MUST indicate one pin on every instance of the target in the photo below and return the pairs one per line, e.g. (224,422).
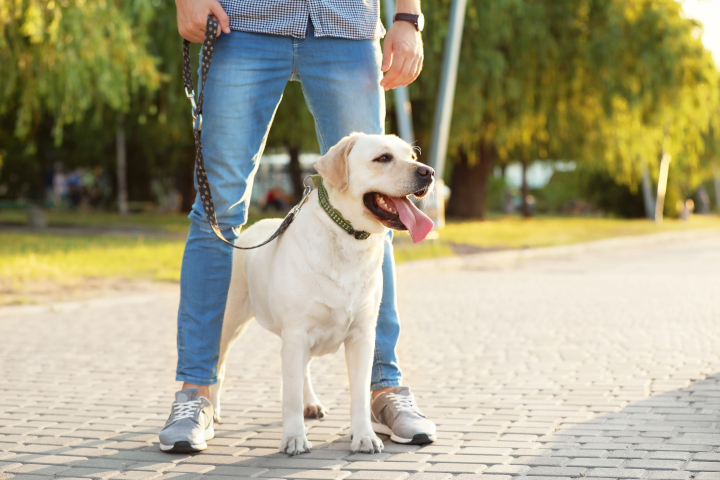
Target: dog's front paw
(315,411)
(295,445)
(369,444)
(216,416)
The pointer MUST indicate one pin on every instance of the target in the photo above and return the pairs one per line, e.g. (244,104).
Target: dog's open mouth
(399,213)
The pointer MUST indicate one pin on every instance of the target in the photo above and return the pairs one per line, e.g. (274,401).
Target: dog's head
(369,178)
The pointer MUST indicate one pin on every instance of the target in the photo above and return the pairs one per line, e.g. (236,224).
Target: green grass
(167,223)
(516,232)
(28,257)
(65,258)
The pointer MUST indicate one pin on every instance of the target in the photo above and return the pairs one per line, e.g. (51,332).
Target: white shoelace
(186,409)
(404,403)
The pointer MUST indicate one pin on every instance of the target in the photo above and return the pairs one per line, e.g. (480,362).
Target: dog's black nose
(424,171)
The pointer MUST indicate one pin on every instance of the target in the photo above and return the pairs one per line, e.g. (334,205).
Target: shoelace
(186,409)
(404,403)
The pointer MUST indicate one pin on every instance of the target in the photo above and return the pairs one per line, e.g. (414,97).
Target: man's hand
(192,18)
(402,55)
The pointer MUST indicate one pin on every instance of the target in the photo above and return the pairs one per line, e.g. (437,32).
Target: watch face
(421,22)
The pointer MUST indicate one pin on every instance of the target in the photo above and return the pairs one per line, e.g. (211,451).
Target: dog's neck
(327,240)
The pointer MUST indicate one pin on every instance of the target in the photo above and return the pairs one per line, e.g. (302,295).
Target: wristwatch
(417,20)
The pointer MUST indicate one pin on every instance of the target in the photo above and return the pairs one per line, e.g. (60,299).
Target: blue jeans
(341,83)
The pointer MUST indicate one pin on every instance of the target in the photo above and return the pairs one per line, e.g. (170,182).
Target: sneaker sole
(418,439)
(183,447)
(186,447)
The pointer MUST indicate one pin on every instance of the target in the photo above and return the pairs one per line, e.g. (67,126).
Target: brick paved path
(604,366)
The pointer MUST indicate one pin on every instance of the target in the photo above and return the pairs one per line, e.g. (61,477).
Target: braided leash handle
(200,172)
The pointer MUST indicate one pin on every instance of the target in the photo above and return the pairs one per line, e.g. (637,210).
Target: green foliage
(608,83)
(63,58)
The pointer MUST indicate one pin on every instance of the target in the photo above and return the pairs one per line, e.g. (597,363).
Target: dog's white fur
(317,287)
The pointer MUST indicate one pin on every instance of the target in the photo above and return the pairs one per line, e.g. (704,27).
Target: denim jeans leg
(386,367)
(244,86)
(341,82)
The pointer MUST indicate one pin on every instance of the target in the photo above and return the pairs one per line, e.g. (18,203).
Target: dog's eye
(384,158)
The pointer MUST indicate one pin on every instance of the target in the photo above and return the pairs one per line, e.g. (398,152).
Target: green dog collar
(334,214)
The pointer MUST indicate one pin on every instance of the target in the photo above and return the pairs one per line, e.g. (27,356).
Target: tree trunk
(648,199)
(121,167)
(662,186)
(525,190)
(469,183)
(716,181)
(295,173)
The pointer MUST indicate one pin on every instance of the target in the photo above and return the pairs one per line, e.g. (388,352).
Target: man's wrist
(408,6)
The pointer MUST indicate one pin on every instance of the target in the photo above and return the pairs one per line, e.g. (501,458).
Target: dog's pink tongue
(417,223)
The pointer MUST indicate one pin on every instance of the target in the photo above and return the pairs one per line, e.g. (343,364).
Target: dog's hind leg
(313,407)
(238,315)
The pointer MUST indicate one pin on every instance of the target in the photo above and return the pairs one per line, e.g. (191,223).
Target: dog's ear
(333,166)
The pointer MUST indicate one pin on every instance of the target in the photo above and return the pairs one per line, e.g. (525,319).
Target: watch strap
(407,17)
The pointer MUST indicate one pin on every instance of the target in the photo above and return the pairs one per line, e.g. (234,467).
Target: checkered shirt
(351,19)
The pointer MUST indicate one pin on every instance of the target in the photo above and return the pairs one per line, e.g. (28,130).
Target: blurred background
(572,120)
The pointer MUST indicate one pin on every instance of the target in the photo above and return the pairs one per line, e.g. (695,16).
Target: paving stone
(409,457)
(222,460)
(368,457)
(705,456)
(665,475)
(540,461)
(559,375)
(9,466)
(404,466)
(431,476)
(236,471)
(375,475)
(485,459)
(655,464)
(52,459)
(483,477)
(446,449)
(319,474)
(617,473)
(106,463)
(695,466)
(508,469)
(557,471)
(136,475)
(457,467)
(75,472)
(37,469)
(179,476)
(678,456)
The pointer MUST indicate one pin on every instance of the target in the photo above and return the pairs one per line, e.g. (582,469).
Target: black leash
(203,184)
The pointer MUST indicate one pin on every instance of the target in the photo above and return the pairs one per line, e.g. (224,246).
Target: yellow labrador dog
(318,287)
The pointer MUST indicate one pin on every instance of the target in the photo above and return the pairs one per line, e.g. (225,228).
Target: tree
(593,80)
(66,84)
(65,58)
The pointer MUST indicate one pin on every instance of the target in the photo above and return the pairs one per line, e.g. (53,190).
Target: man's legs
(244,86)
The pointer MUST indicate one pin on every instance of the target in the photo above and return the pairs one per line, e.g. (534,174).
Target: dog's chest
(345,309)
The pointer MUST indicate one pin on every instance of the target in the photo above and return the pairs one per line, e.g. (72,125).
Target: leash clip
(306,195)
(191,96)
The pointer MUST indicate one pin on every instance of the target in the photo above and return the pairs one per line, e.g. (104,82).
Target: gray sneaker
(395,413)
(190,424)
